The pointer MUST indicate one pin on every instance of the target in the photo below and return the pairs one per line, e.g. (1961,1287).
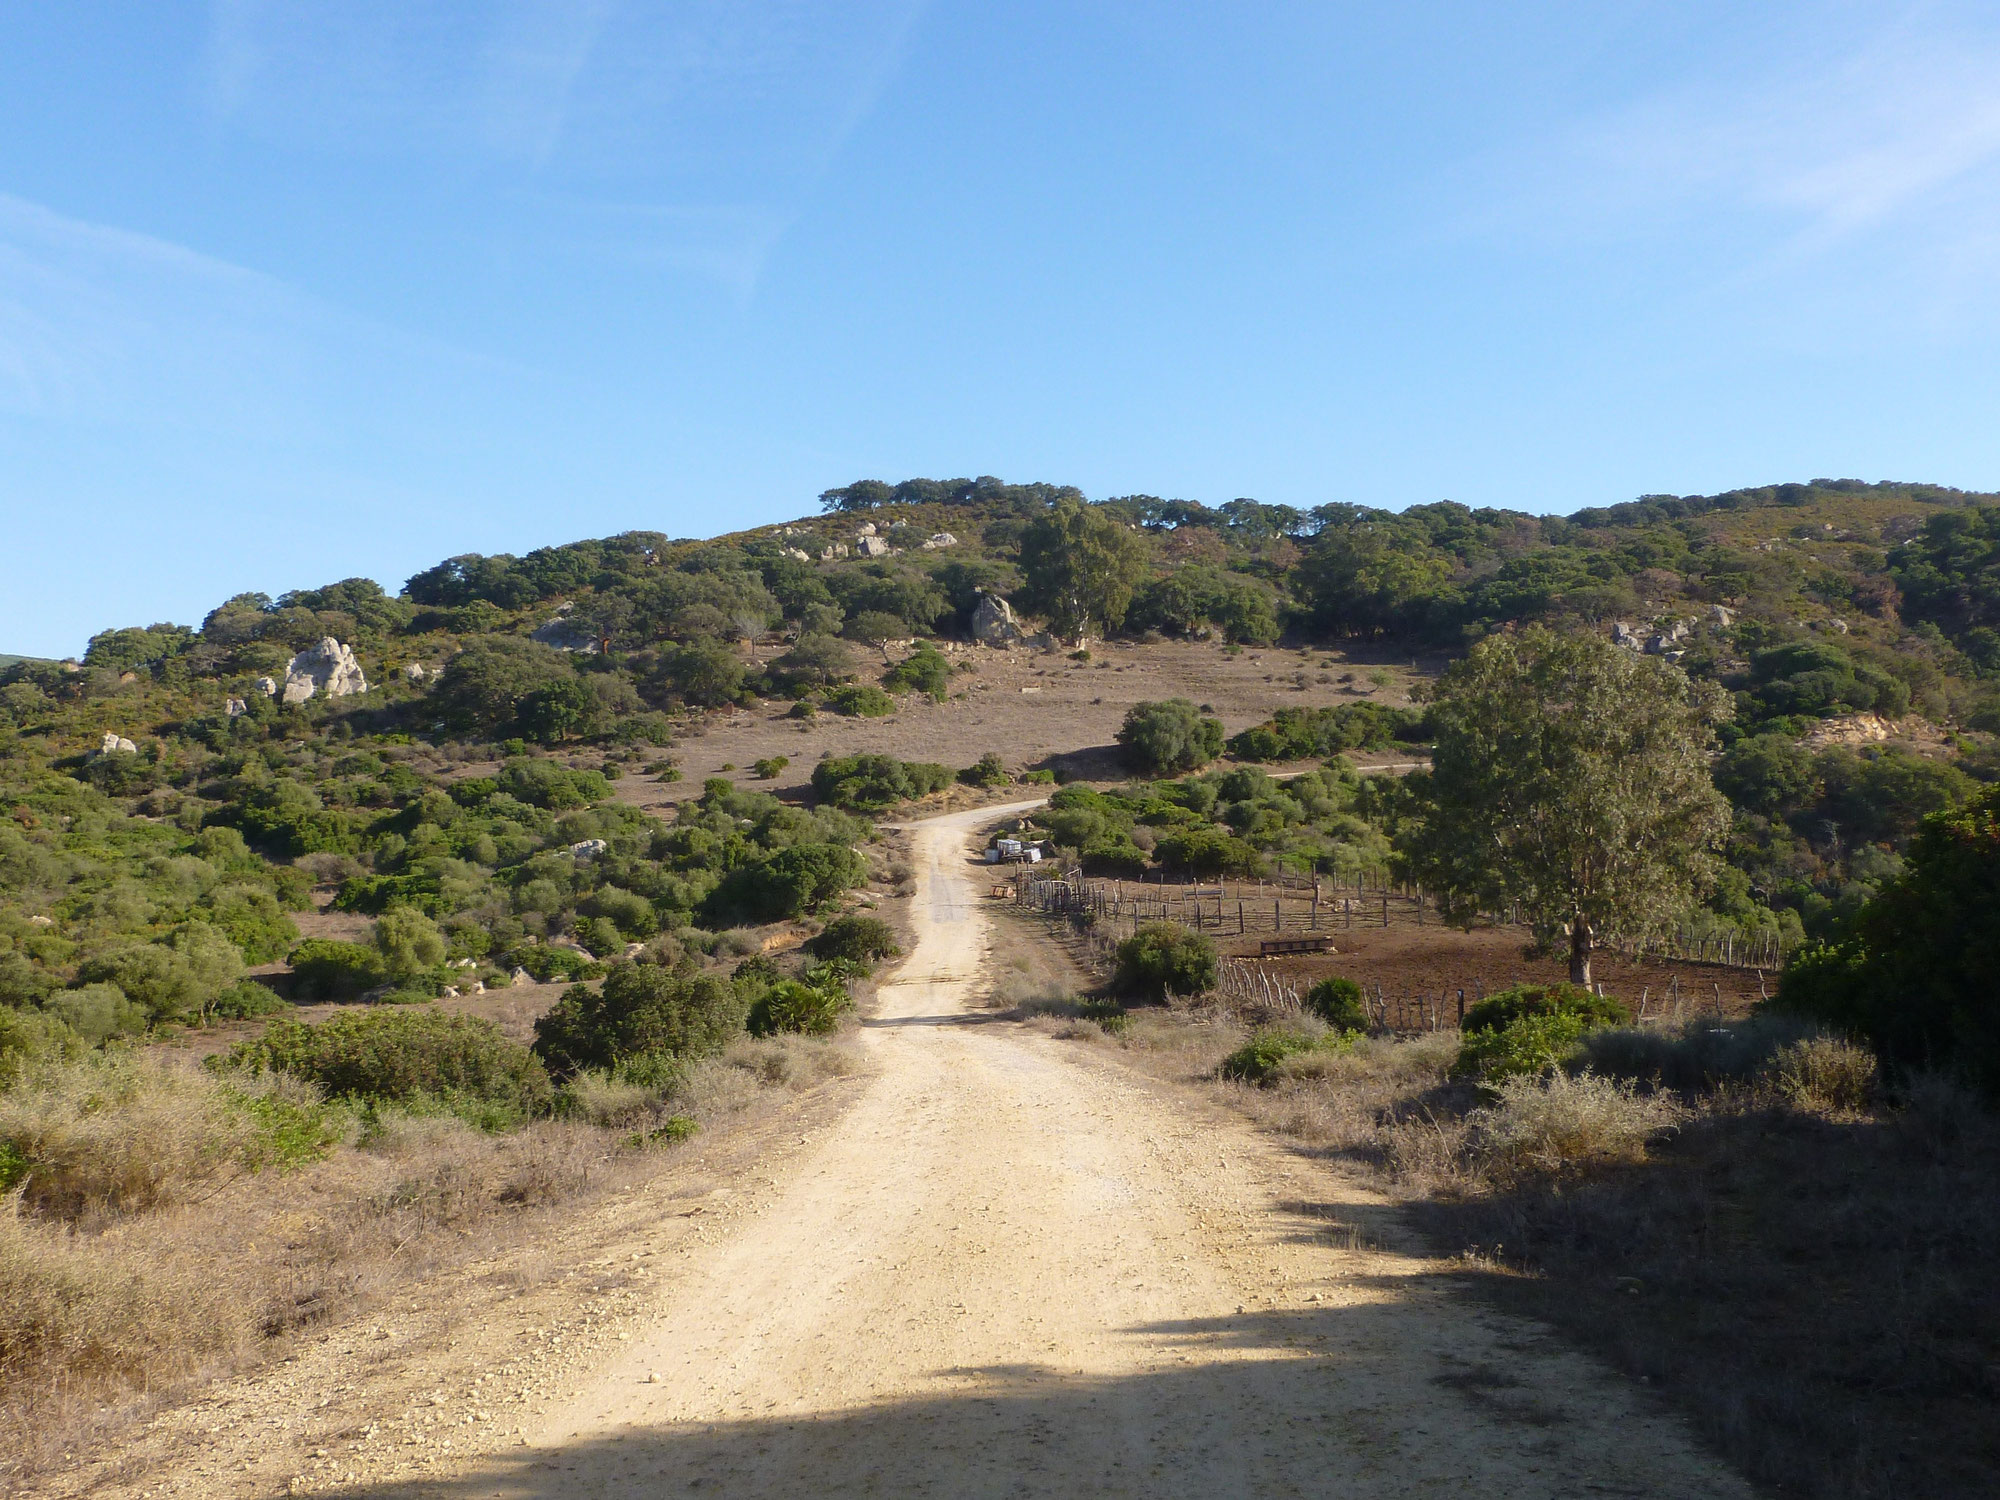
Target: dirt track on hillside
(1015,1269)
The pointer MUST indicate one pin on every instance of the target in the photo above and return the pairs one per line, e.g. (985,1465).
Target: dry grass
(1800,1263)
(112,1136)
(183,1261)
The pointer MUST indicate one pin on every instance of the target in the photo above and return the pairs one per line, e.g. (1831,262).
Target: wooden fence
(1240,908)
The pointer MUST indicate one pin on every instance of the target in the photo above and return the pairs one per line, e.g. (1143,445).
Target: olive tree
(1569,778)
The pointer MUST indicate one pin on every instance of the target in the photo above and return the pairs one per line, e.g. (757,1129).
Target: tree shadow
(1372,1397)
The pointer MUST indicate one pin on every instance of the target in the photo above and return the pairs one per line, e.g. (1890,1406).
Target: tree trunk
(1579,951)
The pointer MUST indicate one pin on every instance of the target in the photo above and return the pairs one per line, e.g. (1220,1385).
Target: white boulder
(589,848)
(267,687)
(115,743)
(872,546)
(236,708)
(939,540)
(564,636)
(993,622)
(329,668)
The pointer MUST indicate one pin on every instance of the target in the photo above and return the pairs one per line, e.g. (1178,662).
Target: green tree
(705,673)
(482,687)
(1913,971)
(1167,738)
(1571,778)
(552,714)
(1081,568)
(409,943)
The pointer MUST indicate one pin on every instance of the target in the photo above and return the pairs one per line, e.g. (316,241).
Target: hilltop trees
(1569,778)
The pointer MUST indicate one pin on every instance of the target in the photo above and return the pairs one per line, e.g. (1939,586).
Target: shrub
(409,942)
(176,979)
(97,1012)
(640,1010)
(325,969)
(859,700)
(1337,1002)
(244,1000)
(869,783)
(119,1135)
(1526,1047)
(857,938)
(1912,972)
(1824,1073)
(1262,1060)
(1700,1057)
(801,878)
(1553,1124)
(789,1005)
(29,1037)
(410,1056)
(1208,853)
(1501,1010)
(988,771)
(1169,738)
(1165,958)
(924,670)
(768,768)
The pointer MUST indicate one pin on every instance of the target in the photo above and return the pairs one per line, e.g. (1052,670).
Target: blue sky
(294,291)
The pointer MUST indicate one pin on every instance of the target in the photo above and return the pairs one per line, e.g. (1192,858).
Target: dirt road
(1015,1269)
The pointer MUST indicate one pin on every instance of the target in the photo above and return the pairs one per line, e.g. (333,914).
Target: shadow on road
(1352,1400)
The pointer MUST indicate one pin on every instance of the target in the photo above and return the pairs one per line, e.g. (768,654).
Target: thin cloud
(1823,147)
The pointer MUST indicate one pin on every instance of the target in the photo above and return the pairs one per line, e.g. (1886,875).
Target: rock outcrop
(871,546)
(566,636)
(1849,730)
(236,708)
(993,622)
(328,668)
(115,744)
(267,686)
(937,541)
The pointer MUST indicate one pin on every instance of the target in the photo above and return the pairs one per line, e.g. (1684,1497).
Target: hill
(188,784)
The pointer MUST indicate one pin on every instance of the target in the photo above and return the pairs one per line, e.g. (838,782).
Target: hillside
(1854,624)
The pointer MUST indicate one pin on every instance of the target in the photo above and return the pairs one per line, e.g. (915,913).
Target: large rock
(871,546)
(937,541)
(993,622)
(115,744)
(268,686)
(566,636)
(328,668)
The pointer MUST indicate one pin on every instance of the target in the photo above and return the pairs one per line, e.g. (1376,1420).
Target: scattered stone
(41,921)
(236,708)
(329,668)
(521,976)
(872,546)
(939,540)
(589,848)
(115,744)
(1721,615)
(832,551)
(799,552)
(867,529)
